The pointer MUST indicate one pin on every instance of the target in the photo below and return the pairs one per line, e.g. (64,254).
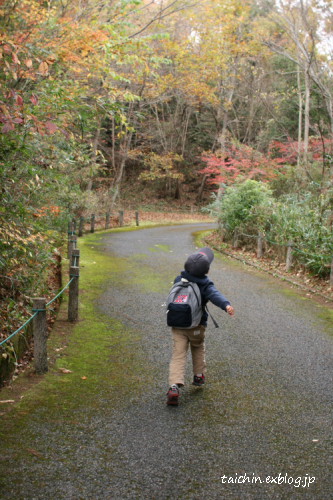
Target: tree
(302,25)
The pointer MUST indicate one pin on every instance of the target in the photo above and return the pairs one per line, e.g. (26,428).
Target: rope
(36,311)
(311,254)
(60,293)
(19,329)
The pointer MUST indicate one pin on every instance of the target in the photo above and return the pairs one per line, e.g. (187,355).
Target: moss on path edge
(92,350)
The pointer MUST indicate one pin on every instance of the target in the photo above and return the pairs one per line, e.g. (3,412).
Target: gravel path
(266,409)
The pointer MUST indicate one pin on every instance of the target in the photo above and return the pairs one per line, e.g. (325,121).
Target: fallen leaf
(34,452)
(65,370)
(84,378)
(43,68)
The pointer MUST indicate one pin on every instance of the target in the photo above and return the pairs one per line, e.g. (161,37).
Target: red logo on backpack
(181,299)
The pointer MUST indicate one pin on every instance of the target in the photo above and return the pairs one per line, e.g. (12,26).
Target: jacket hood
(202,280)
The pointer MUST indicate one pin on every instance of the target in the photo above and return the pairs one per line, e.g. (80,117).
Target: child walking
(195,270)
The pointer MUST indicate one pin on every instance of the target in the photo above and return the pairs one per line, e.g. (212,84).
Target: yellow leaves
(161,167)
(43,68)
(51,59)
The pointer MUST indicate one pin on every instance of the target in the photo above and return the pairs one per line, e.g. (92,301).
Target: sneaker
(198,380)
(173,395)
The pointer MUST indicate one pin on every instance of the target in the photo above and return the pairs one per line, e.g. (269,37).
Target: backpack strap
(215,324)
(184,280)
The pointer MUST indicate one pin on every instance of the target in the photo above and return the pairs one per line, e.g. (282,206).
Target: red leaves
(34,99)
(8,127)
(19,100)
(243,161)
(286,152)
(17,63)
(12,114)
(238,160)
(51,127)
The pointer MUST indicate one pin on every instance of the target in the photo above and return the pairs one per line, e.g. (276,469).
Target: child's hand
(230,310)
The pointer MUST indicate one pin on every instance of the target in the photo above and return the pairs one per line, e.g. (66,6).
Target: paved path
(266,409)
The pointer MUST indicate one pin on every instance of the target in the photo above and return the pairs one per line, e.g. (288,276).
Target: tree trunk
(178,192)
(202,187)
(120,174)
(300,117)
(94,153)
(306,118)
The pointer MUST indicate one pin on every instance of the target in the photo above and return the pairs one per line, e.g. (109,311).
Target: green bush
(246,206)
(304,220)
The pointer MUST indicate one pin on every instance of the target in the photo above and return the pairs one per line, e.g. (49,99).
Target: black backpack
(184,305)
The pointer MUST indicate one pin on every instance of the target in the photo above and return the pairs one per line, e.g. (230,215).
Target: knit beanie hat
(198,263)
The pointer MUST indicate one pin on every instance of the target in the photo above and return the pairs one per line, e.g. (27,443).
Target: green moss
(199,237)
(98,352)
(160,248)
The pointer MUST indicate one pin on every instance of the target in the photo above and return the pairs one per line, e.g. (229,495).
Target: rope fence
(18,330)
(38,318)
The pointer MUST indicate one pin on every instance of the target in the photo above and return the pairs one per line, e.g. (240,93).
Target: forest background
(160,105)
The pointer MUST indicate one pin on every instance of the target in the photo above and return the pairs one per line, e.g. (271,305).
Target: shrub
(246,206)
(305,221)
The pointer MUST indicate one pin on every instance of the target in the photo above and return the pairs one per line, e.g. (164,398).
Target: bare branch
(159,16)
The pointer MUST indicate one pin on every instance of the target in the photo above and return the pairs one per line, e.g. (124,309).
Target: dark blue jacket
(209,293)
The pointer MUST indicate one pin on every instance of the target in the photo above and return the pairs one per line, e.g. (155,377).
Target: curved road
(261,427)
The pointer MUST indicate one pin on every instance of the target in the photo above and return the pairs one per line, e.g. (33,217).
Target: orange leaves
(45,211)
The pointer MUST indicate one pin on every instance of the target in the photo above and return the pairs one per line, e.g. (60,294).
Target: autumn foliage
(131,102)
(239,161)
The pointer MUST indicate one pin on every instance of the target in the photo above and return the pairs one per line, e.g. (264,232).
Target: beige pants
(182,339)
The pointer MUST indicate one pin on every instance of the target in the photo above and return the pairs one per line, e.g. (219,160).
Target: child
(196,267)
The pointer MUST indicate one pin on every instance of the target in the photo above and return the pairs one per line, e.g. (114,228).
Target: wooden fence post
(289,258)
(39,326)
(260,246)
(70,235)
(331,274)
(235,239)
(107,220)
(73,299)
(121,218)
(71,245)
(137,218)
(92,223)
(81,224)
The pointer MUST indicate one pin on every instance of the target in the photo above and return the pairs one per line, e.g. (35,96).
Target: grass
(91,350)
